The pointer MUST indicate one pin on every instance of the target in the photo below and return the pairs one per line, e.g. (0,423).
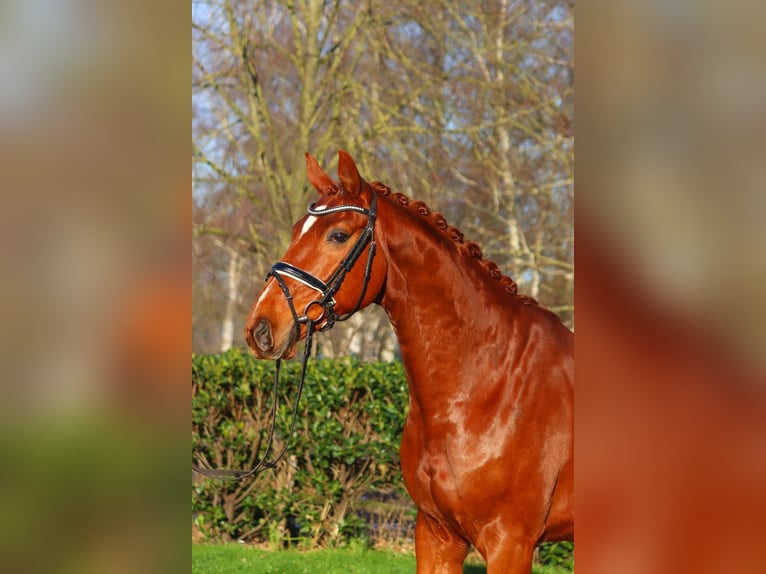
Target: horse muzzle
(261,338)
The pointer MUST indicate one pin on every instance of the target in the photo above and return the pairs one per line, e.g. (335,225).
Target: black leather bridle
(328,289)
(326,303)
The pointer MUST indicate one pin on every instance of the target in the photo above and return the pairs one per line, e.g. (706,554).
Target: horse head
(329,270)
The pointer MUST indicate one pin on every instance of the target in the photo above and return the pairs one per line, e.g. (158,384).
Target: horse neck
(441,302)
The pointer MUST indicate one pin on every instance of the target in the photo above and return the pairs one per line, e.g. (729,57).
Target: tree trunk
(232,280)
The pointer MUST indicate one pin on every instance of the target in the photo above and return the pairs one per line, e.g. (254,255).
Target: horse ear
(348,174)
(318,178)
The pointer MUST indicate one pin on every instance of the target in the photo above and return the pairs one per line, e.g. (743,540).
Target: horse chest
(441,479)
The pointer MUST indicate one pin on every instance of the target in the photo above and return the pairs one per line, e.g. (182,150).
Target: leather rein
(327,316)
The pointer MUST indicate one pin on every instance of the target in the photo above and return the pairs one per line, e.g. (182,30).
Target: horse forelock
(333,189)
(438,221)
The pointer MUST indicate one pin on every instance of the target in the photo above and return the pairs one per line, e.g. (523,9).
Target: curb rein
(326,303)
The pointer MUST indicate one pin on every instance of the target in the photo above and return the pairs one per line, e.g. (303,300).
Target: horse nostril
(262,335)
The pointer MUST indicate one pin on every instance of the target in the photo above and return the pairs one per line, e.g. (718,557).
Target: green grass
(241,559)
(238,558)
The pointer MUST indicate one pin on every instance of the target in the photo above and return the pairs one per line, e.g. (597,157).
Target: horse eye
(338,237)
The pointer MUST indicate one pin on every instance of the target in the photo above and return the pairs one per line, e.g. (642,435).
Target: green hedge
(345,446)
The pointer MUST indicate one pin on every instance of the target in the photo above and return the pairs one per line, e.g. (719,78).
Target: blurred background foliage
(94,234)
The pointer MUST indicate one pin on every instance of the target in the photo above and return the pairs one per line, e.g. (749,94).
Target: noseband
(327,289)
(326,303)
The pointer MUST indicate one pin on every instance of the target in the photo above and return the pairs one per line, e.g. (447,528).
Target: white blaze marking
(264,292)
(311,220)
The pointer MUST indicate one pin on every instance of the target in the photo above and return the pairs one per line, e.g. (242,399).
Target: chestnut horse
(487,448)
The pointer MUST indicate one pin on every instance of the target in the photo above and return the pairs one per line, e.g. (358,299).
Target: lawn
(241,559)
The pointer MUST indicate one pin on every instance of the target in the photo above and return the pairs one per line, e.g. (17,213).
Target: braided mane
(469,247)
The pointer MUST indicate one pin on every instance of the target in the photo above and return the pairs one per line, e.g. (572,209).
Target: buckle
(321,315)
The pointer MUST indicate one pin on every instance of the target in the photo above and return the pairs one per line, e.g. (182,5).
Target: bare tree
(465,105)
